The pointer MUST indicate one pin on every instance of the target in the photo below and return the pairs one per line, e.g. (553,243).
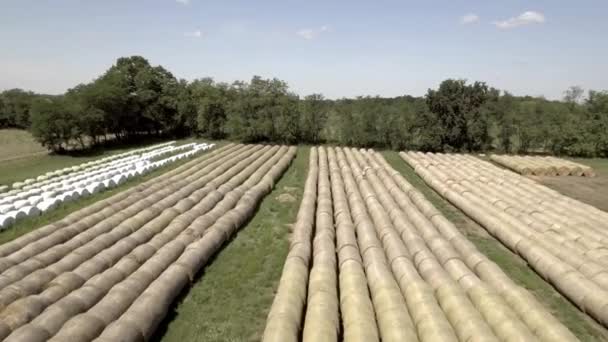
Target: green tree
(15,108)
(313,117)
(53,125)
(457,106)
(211,100)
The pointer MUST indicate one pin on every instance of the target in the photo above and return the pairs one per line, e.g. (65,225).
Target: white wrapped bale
(49,194)
(30,211)
(94,187)
(6,221)
(109,183)
(20,203)
(119,179)
(18,185)
(65,197)
(75,194)
(16,214)
(5,208)
(48,204)
(33,200)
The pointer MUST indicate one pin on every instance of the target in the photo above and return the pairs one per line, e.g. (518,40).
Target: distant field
(16,143)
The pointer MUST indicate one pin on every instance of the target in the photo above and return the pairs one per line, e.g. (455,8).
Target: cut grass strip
(232,297)
(585,328)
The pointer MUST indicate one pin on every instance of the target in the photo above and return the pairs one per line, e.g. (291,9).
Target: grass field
(17,143)
(585,328)
(230,300)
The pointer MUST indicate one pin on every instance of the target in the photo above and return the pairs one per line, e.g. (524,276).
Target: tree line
(133,99)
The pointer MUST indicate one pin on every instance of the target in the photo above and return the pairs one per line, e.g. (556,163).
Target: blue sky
(338,48)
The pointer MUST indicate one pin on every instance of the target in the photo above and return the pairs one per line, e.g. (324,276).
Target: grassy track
(231,299)
(585,328)
(26,225)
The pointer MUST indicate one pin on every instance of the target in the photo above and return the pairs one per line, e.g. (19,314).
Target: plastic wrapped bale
(33,200)
(5,208)
(30,211)
(6,221)
(48,204)
(65,197)
(83,192)
(109,183)
(20,203)
(119,179)
(16,214)
(49,194)
(93,188)
(18,185)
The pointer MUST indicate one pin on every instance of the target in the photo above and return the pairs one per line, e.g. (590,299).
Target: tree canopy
(133,99)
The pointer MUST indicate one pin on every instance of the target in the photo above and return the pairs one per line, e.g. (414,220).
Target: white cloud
(183,2)
(470,18)
(526,18)
(311,33)
(194,34)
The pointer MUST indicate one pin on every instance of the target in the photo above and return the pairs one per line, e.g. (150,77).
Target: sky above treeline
(338,48)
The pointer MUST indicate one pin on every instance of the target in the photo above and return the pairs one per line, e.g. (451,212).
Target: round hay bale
(84,327)
(29,333)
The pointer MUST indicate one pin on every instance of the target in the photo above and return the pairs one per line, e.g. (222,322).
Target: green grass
(15,143)
(231,299)
(600,165)
(585,328)
(27,225)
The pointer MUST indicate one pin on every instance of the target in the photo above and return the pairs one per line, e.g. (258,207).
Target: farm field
(140,248)
(591,190)
(17,144)
(560,238)
(229,301)
(426,280)
(583,326)
(232,296)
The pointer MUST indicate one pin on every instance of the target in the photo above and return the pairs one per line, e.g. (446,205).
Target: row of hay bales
(404,272)
(88,165)
(111,271)
(564,240)
(39,197)
(131,160)
(543,166)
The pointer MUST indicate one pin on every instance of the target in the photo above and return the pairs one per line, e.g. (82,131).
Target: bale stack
(90,178)
(405,273)
(112,270)
(543,166)
(286,314)
(564,240)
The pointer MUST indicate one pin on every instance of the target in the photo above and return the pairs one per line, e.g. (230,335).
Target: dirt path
(593,191)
